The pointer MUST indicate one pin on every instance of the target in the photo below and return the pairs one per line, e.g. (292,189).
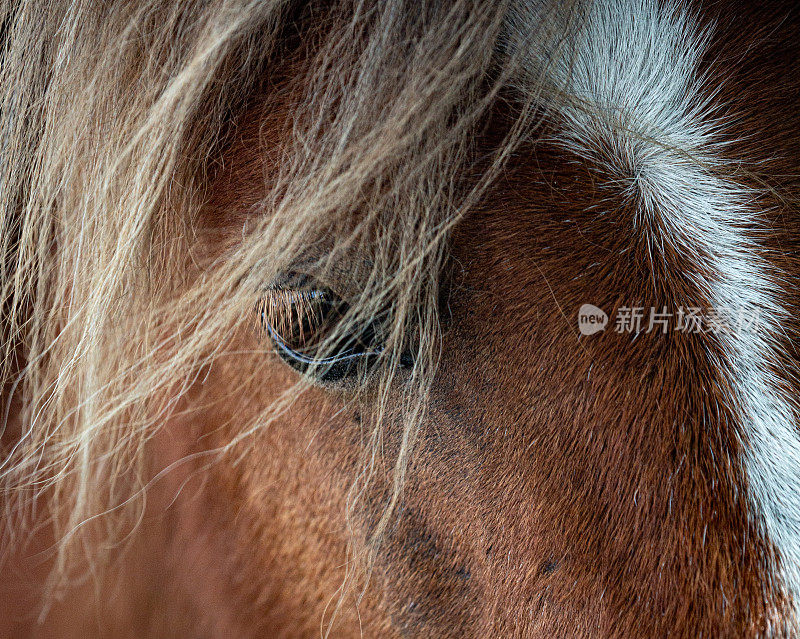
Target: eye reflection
(300,321)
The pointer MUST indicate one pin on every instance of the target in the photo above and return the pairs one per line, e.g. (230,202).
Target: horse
(359,318)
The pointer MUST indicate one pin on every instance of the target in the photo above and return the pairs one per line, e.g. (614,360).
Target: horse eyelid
(305,359)
(301,312)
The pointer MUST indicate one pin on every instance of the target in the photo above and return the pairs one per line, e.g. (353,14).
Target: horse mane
(113,117)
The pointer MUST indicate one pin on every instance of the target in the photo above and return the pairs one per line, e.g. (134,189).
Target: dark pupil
(299,341)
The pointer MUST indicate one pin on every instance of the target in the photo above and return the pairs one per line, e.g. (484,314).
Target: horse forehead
(641,130)
(644,124)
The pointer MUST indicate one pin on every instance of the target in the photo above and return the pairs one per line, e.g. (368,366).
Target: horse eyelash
(291,317)
(282,309)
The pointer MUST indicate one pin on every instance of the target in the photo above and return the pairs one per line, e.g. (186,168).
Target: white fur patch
(637,109)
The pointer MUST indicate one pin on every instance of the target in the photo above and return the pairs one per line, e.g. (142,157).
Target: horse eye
(302,325)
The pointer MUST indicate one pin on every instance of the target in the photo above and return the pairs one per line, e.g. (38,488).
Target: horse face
(548,463)
(587,464)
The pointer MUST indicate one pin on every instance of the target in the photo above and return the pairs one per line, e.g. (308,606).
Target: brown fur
(560,487)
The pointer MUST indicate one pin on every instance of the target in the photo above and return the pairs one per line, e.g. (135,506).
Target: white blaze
(637,108)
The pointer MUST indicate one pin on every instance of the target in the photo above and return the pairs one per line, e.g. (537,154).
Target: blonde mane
(113,116)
